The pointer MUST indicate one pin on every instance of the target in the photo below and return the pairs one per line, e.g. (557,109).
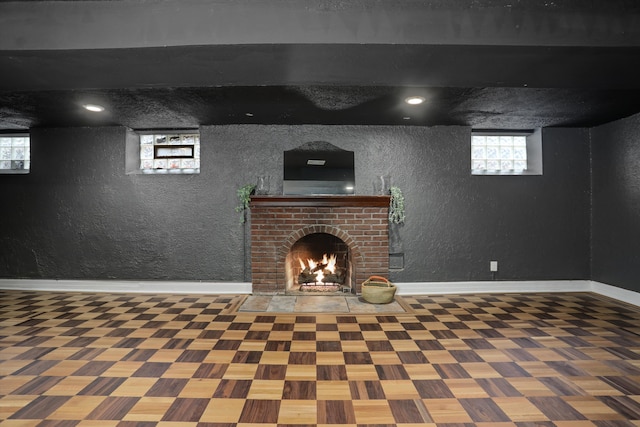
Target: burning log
(321,272)
(337,277)
(307,276)
(319,267)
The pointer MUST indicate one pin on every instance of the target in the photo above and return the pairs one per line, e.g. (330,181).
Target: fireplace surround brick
(278,222)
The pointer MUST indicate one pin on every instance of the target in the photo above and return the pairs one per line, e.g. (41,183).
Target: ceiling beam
(68,25)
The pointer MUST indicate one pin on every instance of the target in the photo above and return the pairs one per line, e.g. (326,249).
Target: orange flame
(328,263)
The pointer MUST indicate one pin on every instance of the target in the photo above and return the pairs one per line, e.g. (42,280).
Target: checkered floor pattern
(121,360)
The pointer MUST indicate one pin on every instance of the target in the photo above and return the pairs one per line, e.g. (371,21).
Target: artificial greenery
(396,206)
(244,195)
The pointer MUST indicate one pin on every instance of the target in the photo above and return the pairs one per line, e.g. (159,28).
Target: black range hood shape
(318,168)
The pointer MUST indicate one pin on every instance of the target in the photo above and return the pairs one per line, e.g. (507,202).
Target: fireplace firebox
(318,262)
(327,244)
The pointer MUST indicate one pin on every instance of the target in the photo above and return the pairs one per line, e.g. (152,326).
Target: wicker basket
(378,290)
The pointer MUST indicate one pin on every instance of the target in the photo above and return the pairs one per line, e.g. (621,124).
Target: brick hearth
(277,222)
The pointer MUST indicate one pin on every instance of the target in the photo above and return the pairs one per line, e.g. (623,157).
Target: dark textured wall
(79,216)
(616,203)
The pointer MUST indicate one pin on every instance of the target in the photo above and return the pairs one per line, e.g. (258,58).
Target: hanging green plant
(244,195)
(396,206)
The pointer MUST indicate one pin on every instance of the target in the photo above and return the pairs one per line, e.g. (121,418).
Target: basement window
(15,153)
(506,152)
(169,152)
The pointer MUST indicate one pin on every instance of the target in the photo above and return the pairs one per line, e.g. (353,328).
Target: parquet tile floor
(510,360)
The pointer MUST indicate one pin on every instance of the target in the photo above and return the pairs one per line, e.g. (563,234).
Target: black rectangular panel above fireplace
(318,168)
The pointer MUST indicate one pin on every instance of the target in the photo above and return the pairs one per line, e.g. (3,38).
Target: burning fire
(328,263)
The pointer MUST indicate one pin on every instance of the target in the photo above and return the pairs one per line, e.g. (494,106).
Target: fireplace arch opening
(319,263)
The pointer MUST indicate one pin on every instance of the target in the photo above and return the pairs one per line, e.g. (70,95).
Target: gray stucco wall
(616,203)
(77,215)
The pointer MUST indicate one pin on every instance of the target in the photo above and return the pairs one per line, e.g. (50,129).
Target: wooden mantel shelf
(320,201)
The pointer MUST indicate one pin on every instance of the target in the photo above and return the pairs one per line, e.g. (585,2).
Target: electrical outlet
(493,265)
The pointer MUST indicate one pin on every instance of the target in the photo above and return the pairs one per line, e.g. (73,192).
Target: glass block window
(15,154)
(502,153)
(165,152)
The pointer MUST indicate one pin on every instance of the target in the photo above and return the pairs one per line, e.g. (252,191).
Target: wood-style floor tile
(40,407)
(129,360)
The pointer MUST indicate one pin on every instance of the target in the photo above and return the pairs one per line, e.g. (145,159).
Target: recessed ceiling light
(94,108)
(414,100)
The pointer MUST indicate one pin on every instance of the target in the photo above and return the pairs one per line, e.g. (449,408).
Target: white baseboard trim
(486,287)
(146,287)
(408,288)
(614,292)
(442,288)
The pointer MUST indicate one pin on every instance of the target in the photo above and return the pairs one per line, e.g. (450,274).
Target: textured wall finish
(77,215)
(616,203)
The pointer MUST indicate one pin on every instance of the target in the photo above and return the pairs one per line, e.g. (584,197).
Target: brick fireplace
(279,222)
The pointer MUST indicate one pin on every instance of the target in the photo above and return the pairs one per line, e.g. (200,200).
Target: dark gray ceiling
(563,64)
